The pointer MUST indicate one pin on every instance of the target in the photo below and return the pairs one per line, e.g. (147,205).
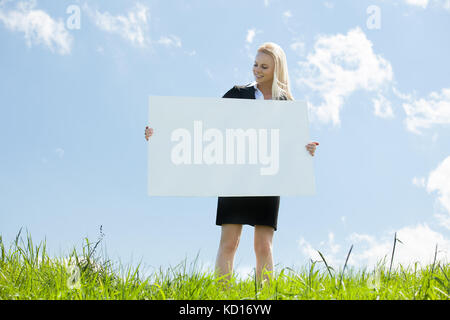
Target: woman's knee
(263,240)
(263,247)
(230,238)
(229,246)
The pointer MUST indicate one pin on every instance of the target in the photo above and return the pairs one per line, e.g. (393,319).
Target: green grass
(27,272)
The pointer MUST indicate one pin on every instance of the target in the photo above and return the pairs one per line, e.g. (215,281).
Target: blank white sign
(228,147)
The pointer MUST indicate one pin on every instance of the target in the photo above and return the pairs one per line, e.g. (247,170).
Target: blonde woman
(271,82)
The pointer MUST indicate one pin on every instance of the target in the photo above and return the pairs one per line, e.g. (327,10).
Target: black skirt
(262,210)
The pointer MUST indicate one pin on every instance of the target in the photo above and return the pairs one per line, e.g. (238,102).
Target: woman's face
(263,68)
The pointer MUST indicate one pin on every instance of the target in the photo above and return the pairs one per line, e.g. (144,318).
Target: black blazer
(243,92)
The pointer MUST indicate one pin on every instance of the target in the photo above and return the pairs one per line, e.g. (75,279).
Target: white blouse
(258,94)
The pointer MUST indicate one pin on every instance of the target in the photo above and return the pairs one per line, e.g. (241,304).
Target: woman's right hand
(148,132)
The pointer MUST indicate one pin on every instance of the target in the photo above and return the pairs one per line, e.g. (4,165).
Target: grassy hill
(27,272)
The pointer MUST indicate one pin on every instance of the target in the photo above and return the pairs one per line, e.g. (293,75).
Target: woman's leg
(263,250)
(229,241)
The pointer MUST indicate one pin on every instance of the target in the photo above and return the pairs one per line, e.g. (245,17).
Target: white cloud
(191,53)
(287,14)
(308,250)
(329,249)
(439,181)
(38,27)
(418,245)
(443,219)
(132,27)
(209,73)
(418,182)
(417,3)
(446,4)
(100,50)
(399,94)
(423,113)
(250,35)
(340,65)
(328,4)
(334,248)
(298,47)
(382,107)
(170,41)
(435,137)
(59,152)
(427,3)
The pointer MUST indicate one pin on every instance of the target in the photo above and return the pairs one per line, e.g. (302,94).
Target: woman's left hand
(311,147)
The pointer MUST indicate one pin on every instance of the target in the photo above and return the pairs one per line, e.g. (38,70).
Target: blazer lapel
(248,92)
(251,93)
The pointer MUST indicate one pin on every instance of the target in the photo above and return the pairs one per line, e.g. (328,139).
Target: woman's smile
(263,68)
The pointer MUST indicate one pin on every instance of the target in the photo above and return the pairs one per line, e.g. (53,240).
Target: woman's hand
(148,132)
(311,147)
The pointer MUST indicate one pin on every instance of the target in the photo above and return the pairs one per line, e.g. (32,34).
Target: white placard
(228,147)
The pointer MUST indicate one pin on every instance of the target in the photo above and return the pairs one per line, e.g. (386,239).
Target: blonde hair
(280,86)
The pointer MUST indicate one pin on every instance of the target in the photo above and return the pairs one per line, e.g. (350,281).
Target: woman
(271,82)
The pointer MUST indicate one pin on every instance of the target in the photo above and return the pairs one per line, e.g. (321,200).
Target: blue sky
(73,108)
